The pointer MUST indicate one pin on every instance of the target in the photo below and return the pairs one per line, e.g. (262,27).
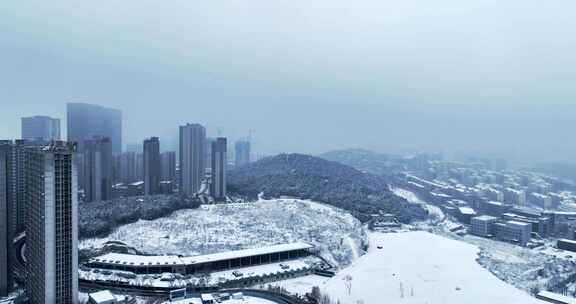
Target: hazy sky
(307,75)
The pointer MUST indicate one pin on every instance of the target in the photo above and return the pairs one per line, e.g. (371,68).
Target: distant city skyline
(169,134)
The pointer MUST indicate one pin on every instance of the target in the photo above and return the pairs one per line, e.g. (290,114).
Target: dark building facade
(40,127)
(52,228)
(7,201)
(86,121)
(97,169)
(151,166)
(568,245)
(19,207)
(219,162)
(192,158)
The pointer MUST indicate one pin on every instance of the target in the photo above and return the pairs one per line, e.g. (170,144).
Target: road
(163,293)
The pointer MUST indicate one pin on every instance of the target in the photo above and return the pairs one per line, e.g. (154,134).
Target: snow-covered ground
(219,228)
(527,269)
(407,195)
(419,267)
(244,300)
(303,285)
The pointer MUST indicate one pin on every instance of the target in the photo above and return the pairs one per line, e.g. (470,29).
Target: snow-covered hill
(314,178)
(217,228)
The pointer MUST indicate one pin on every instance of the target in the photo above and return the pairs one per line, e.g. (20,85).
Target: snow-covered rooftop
(486,218)
(467,210)
(517,223)
(141,260)
(567,241)
(104,296)
(137,260)
(246,253)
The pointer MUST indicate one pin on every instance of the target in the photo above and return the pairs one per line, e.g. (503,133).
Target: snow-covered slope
(217,228)
(419,267)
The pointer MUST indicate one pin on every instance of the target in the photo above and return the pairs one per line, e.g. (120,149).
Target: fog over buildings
(392,76)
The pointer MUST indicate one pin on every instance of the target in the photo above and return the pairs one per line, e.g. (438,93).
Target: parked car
(237,273)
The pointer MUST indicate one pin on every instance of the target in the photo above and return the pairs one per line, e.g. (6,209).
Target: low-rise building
(539,224)
(483,225)
(140,264)
(568,245)
(514,231)
(465,214)
(493,208)
(561,224)
(106,297)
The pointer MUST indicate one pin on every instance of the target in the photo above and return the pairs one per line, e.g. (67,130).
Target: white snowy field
(218,228)
(302,285)
(419,267)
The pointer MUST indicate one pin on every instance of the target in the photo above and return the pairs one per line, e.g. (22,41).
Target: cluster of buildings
(105,171)
(513,206)
(43,179)
(511,231)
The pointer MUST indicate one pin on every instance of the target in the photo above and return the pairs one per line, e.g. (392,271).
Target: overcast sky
(307,75)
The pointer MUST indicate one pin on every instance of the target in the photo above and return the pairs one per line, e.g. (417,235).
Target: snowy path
(436,214)
(353,247)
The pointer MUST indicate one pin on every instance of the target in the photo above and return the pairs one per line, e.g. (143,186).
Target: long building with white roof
(141,264)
